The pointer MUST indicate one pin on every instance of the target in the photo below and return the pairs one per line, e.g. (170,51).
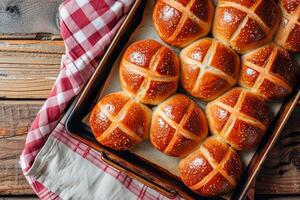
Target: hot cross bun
(245,24)
(240,117)
(268,71)
(178,126)
(119,122)
(288,34)
(213,169)
(179,23)
(208,68)
(149,71)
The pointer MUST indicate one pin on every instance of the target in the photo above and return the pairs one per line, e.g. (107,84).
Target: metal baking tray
(137,167)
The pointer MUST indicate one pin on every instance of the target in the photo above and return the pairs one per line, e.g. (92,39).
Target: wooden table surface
(28,69)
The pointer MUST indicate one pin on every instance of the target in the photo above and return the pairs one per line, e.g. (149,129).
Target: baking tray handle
(170,194)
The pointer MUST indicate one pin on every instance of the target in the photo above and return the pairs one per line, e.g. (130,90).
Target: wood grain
(30,16)
(15,119)
(33,46)
(17,116)
(32,36)
(280,173)
(12,180)
(29,68)
(21,197)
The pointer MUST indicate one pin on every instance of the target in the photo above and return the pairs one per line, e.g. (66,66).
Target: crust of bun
(213,169)
(178,126)
(149,71)
(288,34)
(179,23)
(268,71)
(240,117)
(208,68)
(245,25)
(118,122)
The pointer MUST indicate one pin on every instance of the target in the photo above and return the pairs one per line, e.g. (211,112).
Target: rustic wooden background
(19,17)
(29,64)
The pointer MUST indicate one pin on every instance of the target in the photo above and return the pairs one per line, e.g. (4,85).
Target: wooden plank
(32,36)
(29,68)
(15,119)
(30,16)
(280,173)
(23,197)
(33,46)
(17,116)
(12,180)
(27,80)
(11,57)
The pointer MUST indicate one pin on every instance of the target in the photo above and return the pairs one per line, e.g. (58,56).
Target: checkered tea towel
(56,165)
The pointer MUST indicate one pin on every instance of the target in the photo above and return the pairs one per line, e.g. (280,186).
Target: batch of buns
(208,69)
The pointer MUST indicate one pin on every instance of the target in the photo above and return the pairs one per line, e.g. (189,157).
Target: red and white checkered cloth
(87,27)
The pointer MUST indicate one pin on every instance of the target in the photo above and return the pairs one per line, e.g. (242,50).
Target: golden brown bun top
(208,68)
(288,34)
(118,122)
(179,23)
(223,58)
(214,169)
(140,53)
(290,5)
(268,71)
(240,117)
(149,71)
(177,106)
(280,62)
(178,126)
(250,104)
(246,25)
(262,9)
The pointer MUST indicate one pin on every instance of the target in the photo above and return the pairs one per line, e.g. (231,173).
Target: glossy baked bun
(208,68)
(178,126)
(245,24)
(268,71)
(179,23)
(149,71)
(213,169)
(118,122)
(240,117)
(288,34)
